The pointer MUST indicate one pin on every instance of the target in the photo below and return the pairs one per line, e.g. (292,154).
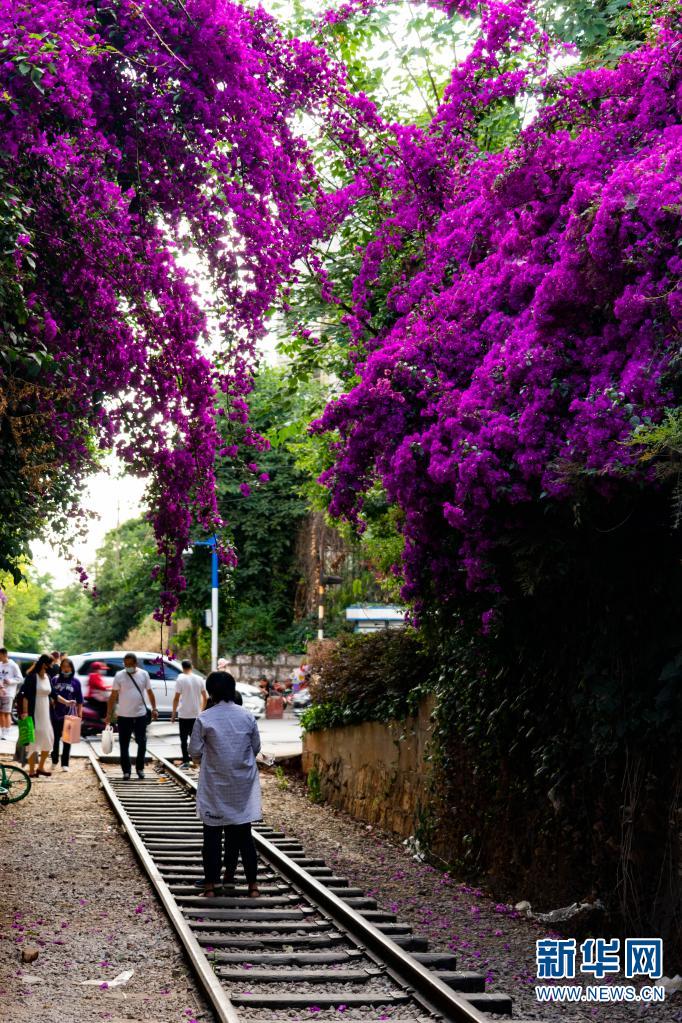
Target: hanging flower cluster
(153,155)
(132,129)
(538,323)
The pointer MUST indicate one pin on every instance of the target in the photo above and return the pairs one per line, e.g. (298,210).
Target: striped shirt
(226,739)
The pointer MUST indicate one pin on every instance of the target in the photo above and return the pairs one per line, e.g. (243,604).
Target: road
(280,738)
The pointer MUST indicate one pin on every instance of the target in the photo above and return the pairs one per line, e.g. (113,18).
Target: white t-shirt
(130,702)
(10,678)
(190,687)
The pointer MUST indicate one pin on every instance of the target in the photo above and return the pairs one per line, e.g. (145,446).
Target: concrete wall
(376,771)
(251,667)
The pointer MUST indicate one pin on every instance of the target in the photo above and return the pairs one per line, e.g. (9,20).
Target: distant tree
(27,612)
(264,506)
(123,594)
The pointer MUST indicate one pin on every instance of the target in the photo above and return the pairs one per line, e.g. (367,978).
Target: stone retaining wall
(251,667)
(375,771)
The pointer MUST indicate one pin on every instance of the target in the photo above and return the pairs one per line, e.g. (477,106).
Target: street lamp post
(213,544)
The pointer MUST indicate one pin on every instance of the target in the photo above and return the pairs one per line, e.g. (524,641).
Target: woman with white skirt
(34,702)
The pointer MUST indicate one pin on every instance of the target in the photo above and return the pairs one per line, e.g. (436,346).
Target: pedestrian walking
(225,739)
(188,702)
(55,662)
(10,679)
(34,702)
(129,687)
(68,694)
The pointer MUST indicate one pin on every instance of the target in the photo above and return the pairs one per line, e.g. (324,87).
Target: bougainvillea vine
(139,138)
(539,326)
(153,155)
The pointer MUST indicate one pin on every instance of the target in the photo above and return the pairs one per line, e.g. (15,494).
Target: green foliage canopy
(27,611)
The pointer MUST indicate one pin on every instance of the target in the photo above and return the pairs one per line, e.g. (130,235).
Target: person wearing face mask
(66,693)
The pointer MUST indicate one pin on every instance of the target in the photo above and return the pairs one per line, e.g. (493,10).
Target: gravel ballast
(73,896)
(73,891)
(486,935)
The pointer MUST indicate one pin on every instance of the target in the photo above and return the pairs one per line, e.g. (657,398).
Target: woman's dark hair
(221,687)
(44,661)
(69,662)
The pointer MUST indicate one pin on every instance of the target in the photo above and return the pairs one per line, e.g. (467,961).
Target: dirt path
(72,888)
(486,936)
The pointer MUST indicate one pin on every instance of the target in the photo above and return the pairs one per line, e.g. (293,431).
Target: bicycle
(15,784)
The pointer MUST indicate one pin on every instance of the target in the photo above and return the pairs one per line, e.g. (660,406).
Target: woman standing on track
(34,702)
(226,740)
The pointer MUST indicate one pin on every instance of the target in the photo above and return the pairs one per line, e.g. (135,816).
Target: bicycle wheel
(15,783)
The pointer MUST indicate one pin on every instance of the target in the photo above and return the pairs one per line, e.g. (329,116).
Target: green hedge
(372,677)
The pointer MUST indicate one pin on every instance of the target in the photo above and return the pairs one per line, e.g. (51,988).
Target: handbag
(107,740)
(148,713)
(27,731)
(72,727)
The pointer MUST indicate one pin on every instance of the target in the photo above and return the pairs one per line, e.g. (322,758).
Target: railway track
(312,947)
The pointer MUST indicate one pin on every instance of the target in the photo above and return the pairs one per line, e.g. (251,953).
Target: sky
(114,497)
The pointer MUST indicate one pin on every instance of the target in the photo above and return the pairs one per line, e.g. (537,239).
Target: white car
(23,659)
(163,671)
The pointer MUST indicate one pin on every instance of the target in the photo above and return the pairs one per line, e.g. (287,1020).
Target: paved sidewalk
(281,740)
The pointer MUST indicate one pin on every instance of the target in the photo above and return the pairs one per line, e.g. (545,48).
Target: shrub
(367,678)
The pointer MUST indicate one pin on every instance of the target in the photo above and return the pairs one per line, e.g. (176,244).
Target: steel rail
(411,973)
(210,983)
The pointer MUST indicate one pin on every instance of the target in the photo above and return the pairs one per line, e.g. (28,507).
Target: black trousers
(58,728)
(126,728)
(186,726)
(238,842)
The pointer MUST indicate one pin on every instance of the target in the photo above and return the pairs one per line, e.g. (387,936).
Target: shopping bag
(72,727)
(27,732)
(107,740)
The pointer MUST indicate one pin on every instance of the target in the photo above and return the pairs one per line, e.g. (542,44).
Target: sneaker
(186,766)
(126,777)
(65,767)
(140,775)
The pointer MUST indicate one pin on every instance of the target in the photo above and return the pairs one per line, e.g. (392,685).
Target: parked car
(252,698)
(163,673)
(24,660)
(300,701)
